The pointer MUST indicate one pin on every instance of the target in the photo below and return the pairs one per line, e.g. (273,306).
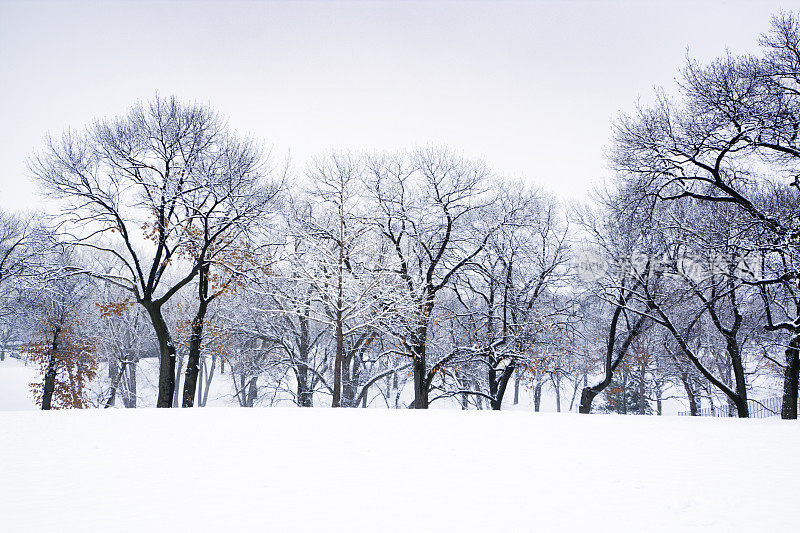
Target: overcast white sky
(529,86)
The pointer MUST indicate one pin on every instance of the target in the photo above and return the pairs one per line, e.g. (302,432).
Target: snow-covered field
(15,379)
(379,470)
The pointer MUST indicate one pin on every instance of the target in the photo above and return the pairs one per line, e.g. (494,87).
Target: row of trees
(422,276)
(714,172)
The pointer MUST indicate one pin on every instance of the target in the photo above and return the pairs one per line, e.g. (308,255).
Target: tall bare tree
(130,187)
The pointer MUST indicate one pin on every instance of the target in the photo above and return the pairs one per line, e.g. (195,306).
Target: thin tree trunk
(132,391)
(537,396)
(208,378)
(305,393)
(176,390)
(557,387)
(658,402)
(200,376)
(118,374)
(337,363)
(642,401)
(339,359)
(690,394)
(113,376)
(574,393)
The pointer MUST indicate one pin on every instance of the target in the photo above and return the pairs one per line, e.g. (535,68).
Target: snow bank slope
(372,470)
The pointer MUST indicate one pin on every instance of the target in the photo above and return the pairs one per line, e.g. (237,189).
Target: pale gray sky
(529,86)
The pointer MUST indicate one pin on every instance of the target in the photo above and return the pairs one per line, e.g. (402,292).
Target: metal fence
(758,409)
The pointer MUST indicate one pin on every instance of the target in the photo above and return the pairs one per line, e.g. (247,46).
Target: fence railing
(758,409)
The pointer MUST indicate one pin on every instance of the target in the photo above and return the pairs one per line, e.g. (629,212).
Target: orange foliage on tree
(217,338)
(229,254)
(540,348)
(58,346)
(113,309)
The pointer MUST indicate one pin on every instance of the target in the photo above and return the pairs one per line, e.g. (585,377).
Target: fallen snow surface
(377,470)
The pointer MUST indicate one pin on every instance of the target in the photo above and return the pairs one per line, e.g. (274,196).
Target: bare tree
(427,206)
(732,131)
(509,309)
(228,203)
(129,185)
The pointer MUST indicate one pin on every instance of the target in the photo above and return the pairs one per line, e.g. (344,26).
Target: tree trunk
(304,396)
(537,396)
(49,383)
(176,390)
(642,401)
(130,396)
(575,392)
(501,385)
(740,402)
(118,374)
(690,394)
(420,366)
(209,376)
(114,378)
(790,381)
(493,384)
(557,386)
(624,390)
(195,344)
(200,376)
(50,376)
(252,392)
(351,373)
(338,361)
(166,356)
(420,369)
(588,395)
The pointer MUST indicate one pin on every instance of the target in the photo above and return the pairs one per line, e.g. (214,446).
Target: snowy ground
(378,470)
(15,379)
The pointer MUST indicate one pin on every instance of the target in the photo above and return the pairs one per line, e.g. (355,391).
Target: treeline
(407,278)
